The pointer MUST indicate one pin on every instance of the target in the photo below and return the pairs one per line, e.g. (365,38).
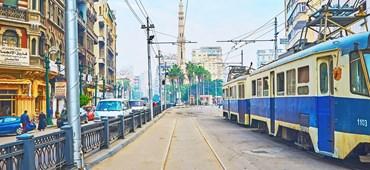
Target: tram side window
(254,92)
(265,86)
(358,83)
(259,87)
(280,84)
(303,78)
(241,91)
(291,82)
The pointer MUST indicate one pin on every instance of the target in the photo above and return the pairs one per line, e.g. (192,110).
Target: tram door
(324,112)
(272,102)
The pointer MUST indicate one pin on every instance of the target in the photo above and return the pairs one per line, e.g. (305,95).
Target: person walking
(25,120)
(42,121)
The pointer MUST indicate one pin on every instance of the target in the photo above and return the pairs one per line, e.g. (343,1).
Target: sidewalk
(174,142)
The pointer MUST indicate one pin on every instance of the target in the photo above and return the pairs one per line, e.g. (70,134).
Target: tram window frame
(265,86)
(358,60)
(254,88)
(324,84)
(280,84)
(259,87)
(304,75)
(291,82)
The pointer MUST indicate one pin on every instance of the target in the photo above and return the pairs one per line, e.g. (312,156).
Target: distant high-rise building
(266,56)
(211,59)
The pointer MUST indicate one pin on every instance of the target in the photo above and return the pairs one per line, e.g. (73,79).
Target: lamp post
(81,66)
(96,90)
(103,87)
(52,50)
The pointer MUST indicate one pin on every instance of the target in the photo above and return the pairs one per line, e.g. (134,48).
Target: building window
(259,87)
(254,92)
(304,74)
(34,4)
(51,10)
(33,47)
(280,84)
(42,44)
(357,78)
(265,86)
(291,82)
(10,39)
(42,9)
(7,102)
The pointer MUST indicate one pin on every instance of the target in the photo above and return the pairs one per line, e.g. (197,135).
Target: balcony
(101,60)
(13,13)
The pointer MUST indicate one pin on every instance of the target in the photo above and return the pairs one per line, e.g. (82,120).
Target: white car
(112,108)
(137,105)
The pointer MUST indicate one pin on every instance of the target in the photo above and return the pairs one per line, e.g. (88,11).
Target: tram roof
(345,44)
(244,77)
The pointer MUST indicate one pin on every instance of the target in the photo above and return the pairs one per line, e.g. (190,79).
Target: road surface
(199,138)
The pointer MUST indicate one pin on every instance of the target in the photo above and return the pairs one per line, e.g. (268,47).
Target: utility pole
(242,58)
(275,40)
(164,89)
(96,90)
(73,98)
(160,77)
(149,37)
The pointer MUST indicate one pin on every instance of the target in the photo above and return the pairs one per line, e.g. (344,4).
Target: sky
(207,21)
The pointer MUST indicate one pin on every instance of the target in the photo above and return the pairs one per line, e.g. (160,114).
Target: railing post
(142,115)
(122,126)
(28,162)
(140,119)
(68,148)
(106,132)
(133,121)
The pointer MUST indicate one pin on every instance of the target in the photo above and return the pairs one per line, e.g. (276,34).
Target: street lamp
(53,50)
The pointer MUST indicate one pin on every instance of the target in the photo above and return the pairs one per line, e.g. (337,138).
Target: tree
(190,71)
(84,100)
(175,74)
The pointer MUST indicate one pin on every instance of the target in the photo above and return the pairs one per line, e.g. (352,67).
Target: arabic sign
(14,56)
(60,89)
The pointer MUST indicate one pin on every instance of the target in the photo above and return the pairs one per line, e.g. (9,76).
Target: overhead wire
(134,13)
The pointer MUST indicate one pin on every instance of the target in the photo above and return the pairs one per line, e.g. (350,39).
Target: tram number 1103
(362,122)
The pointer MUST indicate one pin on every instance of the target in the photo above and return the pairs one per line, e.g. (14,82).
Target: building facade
(105,49)
(297,15)
(28,29)
(211,59)
(267,55)
(87,39)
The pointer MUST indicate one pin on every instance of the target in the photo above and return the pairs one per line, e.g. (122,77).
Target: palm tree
(175,75)
(190,71)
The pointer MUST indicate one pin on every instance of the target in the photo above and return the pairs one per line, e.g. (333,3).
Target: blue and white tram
(318,97)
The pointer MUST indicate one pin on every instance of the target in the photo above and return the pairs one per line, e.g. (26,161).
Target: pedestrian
(25,120)
(42,121)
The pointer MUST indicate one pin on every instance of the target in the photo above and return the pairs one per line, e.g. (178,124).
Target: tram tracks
(201,136)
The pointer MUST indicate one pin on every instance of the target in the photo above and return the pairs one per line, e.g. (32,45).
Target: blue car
(10,125)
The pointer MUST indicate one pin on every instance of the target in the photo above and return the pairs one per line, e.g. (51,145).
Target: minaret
(181,38)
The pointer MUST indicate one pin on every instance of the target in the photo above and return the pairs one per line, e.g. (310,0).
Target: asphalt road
(199,138)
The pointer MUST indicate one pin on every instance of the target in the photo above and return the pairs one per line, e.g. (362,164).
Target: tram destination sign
(14,56)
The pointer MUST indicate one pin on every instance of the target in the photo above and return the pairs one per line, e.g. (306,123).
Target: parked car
(112,108)
(90,112)
(12,125)
(137,105)
(63,118)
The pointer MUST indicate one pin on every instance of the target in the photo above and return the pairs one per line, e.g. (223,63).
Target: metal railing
(55,150)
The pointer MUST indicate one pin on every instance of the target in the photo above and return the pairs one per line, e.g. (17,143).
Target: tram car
(318,98)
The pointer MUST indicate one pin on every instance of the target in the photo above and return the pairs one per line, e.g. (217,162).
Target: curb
(121,144)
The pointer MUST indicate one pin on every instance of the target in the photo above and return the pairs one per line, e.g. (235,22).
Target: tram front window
(357,77)
(367,63)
